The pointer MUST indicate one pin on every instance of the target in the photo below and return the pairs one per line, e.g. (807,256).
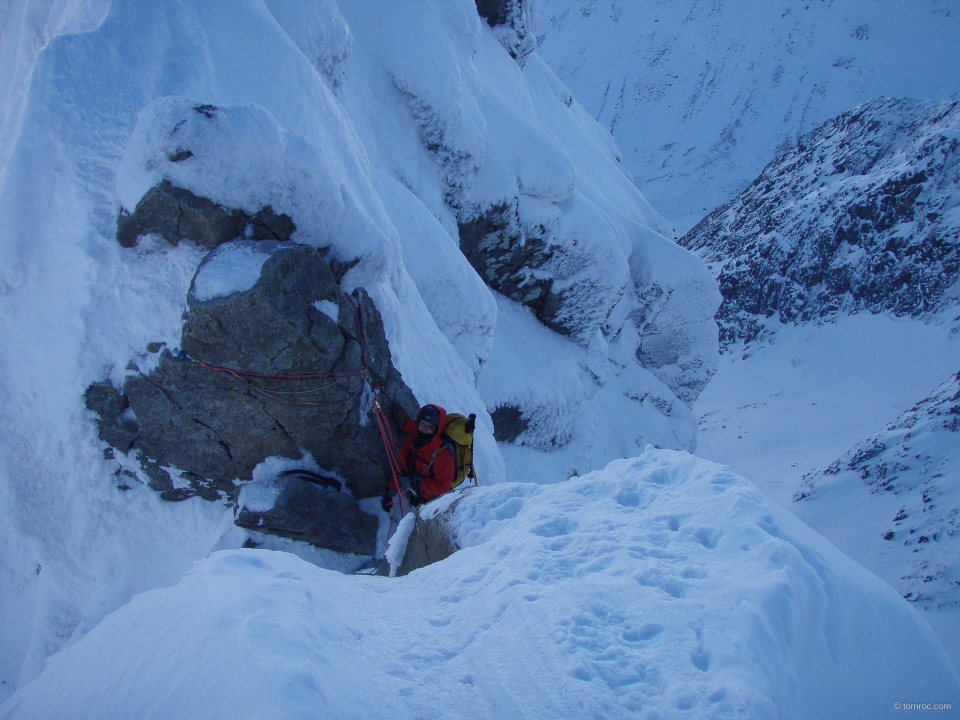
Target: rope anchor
(240,375)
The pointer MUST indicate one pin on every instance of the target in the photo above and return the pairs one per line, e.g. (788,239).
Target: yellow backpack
(458,436)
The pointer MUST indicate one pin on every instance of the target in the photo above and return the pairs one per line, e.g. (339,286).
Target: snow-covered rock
(263,372)
(900,489)
(561,409)
(660,586)
(531,190)
(700,96)
(515,24)
(862,215)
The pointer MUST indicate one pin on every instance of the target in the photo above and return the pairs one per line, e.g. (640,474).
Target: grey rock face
(570,290)
(861,215)
(116,426)
(214,427)
(321,517)
(177,214)
(432,540)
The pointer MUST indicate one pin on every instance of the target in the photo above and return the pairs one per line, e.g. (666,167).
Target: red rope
(393,457)
(389,444)
(292,377)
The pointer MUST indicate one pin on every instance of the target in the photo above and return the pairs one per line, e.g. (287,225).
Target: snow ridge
(662,586)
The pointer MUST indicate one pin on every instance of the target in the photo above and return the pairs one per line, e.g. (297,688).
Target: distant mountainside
(700,95)
(909,475)
(862,215)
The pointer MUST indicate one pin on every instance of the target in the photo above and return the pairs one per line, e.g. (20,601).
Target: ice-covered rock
(564,409)
(863,214)
(459,302)
(515,24)
(319,30)
(203,171)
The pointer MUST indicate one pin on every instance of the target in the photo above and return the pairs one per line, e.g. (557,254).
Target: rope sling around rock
(383,425)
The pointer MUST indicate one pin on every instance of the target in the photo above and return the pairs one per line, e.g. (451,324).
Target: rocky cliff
(862,215)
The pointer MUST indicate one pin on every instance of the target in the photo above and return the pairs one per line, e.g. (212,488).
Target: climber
(427,466)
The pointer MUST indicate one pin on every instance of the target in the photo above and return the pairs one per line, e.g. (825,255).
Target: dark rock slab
(177,214)
(199,430)
(325,518)
(432,540)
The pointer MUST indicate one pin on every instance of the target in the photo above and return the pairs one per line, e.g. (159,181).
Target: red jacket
(433,463)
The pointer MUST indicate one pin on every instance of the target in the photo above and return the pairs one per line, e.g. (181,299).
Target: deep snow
(790,409)
(662,586)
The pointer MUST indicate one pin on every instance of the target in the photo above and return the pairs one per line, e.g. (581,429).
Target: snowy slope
(663,586)
(910,473)
(374,126)
(700,95)
(793,408)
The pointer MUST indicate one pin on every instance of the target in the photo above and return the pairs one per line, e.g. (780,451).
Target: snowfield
(662,586)
(788,410)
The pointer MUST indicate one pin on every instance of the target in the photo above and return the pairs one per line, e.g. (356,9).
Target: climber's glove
(386,502)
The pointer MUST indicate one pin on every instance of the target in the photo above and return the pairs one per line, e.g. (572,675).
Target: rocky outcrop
(571,281)
(177,214)
(860,216)
(514,22)
(200,427)
(432,540)
(319,516)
